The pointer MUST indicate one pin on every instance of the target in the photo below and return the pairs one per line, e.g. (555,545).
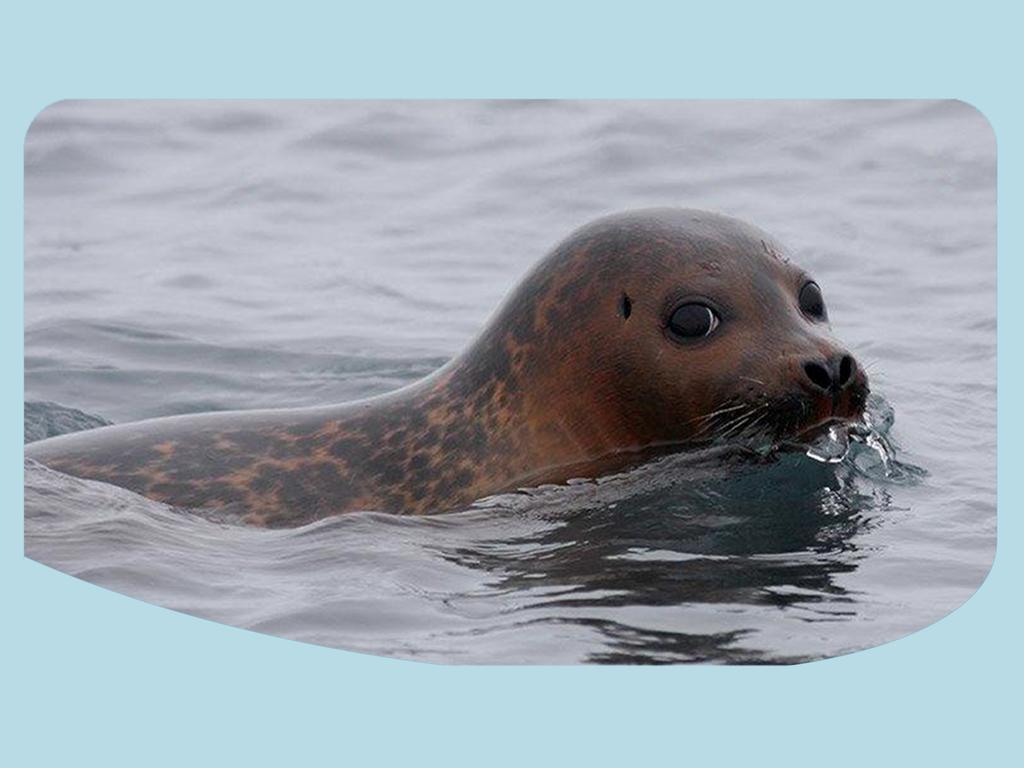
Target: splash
(832,446)
(836,444)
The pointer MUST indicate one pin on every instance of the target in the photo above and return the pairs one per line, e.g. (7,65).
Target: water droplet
(832,446)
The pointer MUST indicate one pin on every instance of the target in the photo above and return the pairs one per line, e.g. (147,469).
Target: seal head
(671,327)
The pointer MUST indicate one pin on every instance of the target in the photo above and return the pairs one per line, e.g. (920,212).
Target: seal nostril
(818,374)
(626,306)
(846,368)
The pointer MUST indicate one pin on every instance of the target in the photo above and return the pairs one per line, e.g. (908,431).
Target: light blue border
(92,677)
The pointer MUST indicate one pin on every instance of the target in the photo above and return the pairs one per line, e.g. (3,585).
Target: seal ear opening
(625,306)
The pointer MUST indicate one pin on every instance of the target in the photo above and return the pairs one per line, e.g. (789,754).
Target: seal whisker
(738,422)
(716,413)
(745,422)
(714,424)
(750,426)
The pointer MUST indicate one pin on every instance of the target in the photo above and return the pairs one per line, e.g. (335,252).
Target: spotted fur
(559,384)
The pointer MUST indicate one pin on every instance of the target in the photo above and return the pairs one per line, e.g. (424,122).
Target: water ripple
(185,256)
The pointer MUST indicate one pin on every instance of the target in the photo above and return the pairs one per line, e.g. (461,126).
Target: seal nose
(831,375)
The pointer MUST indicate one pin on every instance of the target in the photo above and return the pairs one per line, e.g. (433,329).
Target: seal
(641,333)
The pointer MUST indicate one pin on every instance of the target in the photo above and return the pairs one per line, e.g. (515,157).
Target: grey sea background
(194,256)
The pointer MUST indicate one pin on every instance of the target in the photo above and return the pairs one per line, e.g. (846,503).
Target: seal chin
(840,409)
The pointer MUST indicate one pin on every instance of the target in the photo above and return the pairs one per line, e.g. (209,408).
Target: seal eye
(693,321)
(812,303)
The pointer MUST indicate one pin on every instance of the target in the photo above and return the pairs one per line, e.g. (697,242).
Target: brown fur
(561,383)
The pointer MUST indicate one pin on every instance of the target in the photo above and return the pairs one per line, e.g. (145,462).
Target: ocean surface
(197,256)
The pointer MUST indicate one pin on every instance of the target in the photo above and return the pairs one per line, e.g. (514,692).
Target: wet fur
(553,388)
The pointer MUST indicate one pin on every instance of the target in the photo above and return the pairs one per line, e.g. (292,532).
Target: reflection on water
(187,256)
(665,563)
(766,535)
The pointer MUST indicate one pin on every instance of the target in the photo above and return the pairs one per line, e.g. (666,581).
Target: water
(186,256)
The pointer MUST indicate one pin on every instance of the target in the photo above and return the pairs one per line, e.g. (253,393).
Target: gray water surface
(191,256)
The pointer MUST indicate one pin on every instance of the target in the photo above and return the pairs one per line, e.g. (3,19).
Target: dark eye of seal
(812,303)
(693,321)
